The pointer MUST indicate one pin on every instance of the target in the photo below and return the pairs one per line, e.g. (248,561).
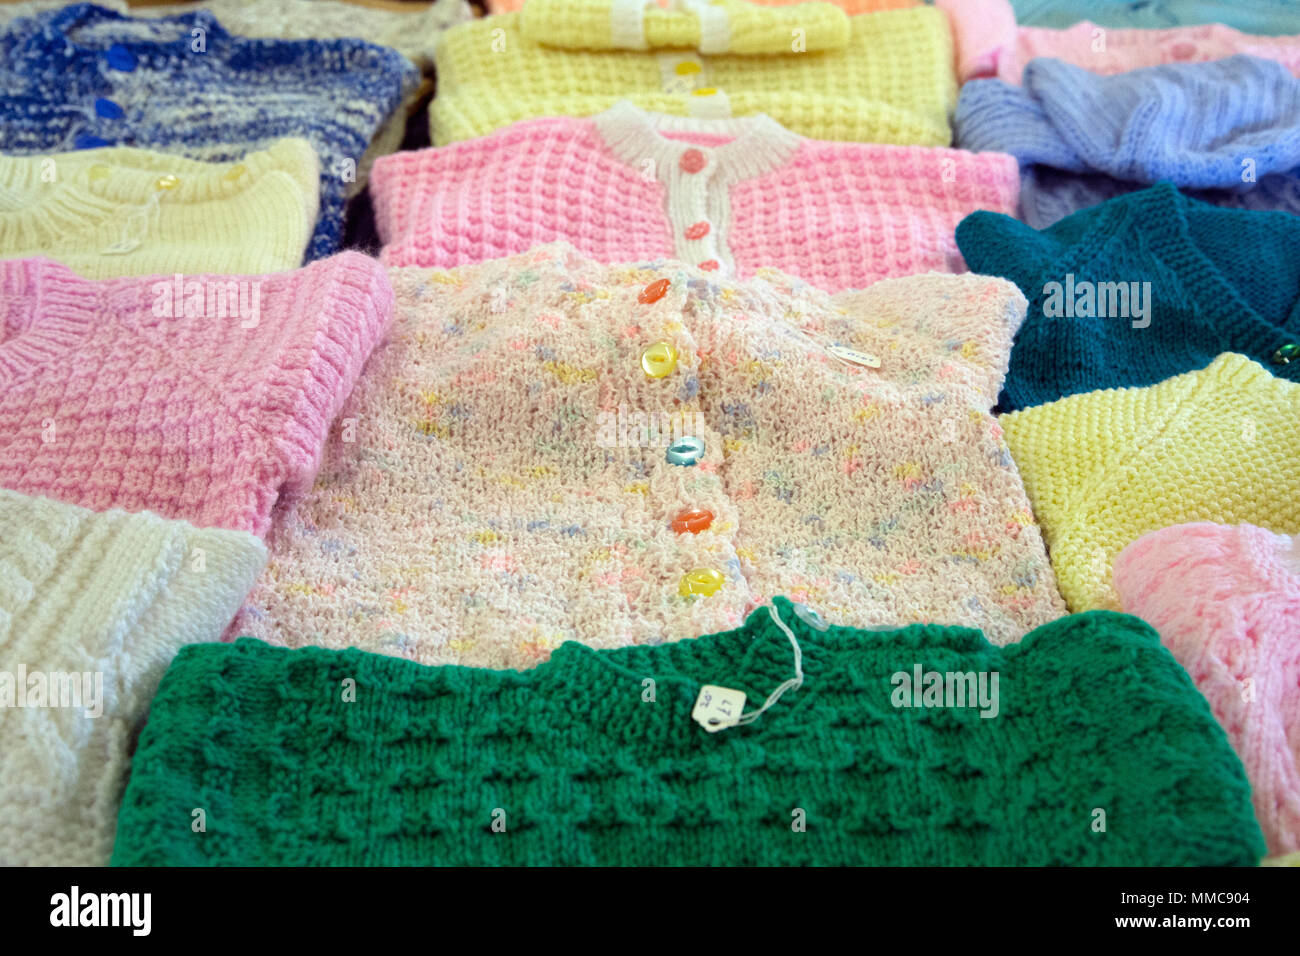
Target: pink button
(692,161)
(697,231)
(1183,50)
(709,265)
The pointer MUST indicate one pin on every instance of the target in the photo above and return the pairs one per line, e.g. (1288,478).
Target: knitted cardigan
(851,7)
(1265,17)
(1228,132)
(199,397)
(120,211)
(892,82)
(1226,601)
(107,598)
(989,43)
(1218,280)
(731,195)
(85,76)
(1104,468)
(498,483)
(593,758)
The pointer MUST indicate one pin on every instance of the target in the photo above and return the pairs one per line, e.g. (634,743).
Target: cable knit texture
(489,492)
(128,393)
(1266,17)
(582,769)
(621,187)
(1105,468)
(1220,280)
(1226,602)
(1228,132)
(119,211)
(111,596)
(892,83)
(85,76)
(990,44)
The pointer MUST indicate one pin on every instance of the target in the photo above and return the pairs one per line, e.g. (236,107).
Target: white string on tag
(792,684)
(718,708)
(135,227)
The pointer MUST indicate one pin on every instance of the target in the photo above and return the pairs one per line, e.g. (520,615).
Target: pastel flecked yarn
(1104,468)
(84,593)
(1226,602)
(426,765)
(621,187)
(119,211)
(125,394)
(488,491)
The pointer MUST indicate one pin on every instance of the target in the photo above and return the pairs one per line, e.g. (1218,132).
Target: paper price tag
(718,708)
(853,356)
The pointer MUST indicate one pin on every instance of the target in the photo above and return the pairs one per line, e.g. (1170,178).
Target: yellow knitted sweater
(120,211)
(1104,468)
(891,82)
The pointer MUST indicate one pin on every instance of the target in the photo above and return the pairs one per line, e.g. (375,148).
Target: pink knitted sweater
(990,44)
(1226,602)
(204,397)
(728,195)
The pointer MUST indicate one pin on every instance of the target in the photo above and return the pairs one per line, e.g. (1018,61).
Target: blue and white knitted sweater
(86,76)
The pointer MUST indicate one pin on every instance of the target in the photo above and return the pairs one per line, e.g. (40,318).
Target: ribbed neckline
(45,309)
(68,22)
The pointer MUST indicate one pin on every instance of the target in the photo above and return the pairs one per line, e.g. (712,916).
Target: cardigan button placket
(690,206)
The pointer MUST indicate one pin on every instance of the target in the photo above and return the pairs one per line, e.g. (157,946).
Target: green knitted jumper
(1101,752)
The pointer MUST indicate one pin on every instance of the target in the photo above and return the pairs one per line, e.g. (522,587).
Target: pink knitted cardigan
(204,398)
(1226,602)
(989,43)
(731,195)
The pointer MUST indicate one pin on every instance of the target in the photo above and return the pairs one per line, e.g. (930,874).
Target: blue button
(120,58)
(86,141)
(687,450)
(108,109)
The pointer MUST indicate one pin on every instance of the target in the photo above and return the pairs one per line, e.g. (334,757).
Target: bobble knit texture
(892,83)
(1104,468)
(839,215)
(1226,602)
(123,394)
(1221,280)
(109,593)
(1093,712)
(235,97)
(103,214)
(487,493)
(1265,17)
(1082,139)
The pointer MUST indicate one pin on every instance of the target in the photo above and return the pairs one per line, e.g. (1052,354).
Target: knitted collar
(73,27)
(45,308)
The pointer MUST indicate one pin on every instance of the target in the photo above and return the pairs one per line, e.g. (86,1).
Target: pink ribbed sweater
(1226,602)
(111,396)
(730,196)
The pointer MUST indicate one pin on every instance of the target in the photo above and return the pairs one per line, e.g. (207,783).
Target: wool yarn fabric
(893,82)
(572,764)
(1226,602)
(851,7)
(93,606)
(1265,17)
(1140,288)
(499,481)
(1227,132)
(733,195)
(990,44)
(120,211)
(199,397)
(1104,468)
(85,76)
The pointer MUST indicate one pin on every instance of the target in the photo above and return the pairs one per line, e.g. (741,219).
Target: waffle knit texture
(103,212)
(499,420)
(1104,468)
(851,7)
(892,82)
(208,404)
(620,188)
(84,593)
(235,96)
(990,44)
(1227,132)
(582,769)
(1265,17)
(1226,602)
(1220,280)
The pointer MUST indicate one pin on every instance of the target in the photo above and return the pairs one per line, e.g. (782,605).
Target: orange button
(693,521)
(654,291)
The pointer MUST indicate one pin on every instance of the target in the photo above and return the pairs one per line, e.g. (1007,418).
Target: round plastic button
(705,91)
(702,581)
(97,172)
(120,58)
(654,292)
(86,141)
(686,68)
(692,522)
(692,161)
(659,360)
(687,450)
(108,109)
(810,617)
(698,230)
(709,265)
(236,171)
(170,181)
(1287,354)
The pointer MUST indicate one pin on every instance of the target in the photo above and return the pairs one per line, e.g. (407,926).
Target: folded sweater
(1264,17)
(851,7)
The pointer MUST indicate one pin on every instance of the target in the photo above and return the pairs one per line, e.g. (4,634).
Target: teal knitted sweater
(1101,751)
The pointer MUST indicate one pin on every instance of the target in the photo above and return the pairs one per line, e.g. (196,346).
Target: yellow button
(236,171)
(705,91)
(686,68)
(659,360)
(169,181)
(97,172)
(701,581)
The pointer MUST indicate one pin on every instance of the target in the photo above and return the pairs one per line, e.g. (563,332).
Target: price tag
(718,708)
(853,356)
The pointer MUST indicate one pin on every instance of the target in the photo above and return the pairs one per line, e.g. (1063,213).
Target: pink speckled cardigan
(488,491)
(730,196)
